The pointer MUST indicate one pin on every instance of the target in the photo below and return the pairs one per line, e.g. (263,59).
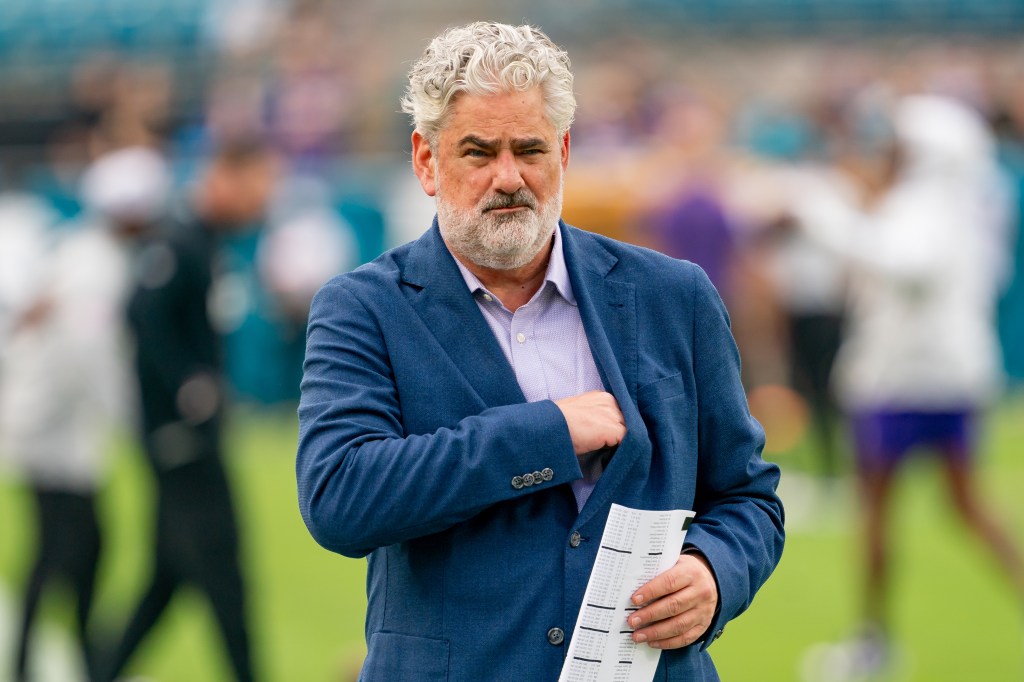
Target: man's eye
(477,153)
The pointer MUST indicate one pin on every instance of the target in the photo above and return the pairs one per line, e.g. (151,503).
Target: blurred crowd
(727,119)
(755,157)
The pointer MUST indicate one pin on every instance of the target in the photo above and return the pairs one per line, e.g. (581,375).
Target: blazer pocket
(391,657)
(661,389)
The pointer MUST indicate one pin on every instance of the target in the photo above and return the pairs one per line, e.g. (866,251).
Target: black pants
(814,341)
(197,544)
(68,550)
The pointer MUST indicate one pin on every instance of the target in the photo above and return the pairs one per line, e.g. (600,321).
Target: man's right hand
(594,420)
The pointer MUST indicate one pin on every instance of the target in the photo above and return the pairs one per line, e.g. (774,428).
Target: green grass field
(955,617)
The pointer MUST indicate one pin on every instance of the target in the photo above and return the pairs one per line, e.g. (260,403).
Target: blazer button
(517,482)
(528,480)
(547,474)
(717,635)
(574,539)
(538,477)
(556,636)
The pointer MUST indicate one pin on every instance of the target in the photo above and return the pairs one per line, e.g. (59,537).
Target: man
(62,381)
(920,361)
(474,402)
(179,366)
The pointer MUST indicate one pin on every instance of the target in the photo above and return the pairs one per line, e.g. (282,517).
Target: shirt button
(556,636)
(521,337)
(517,482)
(574,539)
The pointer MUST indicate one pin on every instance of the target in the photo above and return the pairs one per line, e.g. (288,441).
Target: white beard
(499,242)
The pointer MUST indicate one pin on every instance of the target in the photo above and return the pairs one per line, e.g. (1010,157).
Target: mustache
(521,197)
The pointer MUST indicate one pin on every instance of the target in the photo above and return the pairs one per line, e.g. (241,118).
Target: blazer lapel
(608,310)
(447,308)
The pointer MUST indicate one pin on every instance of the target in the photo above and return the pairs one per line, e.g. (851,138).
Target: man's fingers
(665,608)
(678,605)
(673,632)
(679,641)
(594,420)
(688,570)
(672,580)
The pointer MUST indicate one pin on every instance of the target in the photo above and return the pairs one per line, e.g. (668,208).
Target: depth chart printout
(636,546)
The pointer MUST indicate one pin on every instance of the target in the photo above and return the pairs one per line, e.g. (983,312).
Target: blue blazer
(413,427)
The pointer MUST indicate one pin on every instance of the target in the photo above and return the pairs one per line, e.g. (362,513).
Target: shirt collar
(557,273)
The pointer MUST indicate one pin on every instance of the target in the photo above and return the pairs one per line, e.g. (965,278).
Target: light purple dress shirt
(546,345)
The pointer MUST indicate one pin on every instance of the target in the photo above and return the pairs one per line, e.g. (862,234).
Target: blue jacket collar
(607,308)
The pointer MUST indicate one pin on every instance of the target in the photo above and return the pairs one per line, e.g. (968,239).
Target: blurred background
(700,125)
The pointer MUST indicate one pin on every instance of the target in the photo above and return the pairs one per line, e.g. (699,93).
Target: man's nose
(507,177)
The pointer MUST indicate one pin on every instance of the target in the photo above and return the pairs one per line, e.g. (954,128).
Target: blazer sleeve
(739,518)
(363,482)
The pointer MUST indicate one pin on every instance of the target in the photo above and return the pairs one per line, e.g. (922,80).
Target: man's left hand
(678,605)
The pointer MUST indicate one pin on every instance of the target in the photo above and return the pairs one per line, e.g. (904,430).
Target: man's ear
(423,163)
(565,151)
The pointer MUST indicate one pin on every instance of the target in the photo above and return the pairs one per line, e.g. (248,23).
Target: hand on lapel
(595,421)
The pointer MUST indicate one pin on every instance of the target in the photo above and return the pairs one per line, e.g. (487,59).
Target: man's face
(237,192)
(496,172)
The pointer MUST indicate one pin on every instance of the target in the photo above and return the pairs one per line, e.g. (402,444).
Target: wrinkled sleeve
(363,482)
(739,518)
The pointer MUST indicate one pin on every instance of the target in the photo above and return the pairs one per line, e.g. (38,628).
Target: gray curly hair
(486,58)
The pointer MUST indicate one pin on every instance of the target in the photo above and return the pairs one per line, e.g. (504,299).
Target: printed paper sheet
(636,546)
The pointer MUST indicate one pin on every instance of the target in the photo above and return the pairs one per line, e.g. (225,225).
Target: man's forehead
(495,115)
